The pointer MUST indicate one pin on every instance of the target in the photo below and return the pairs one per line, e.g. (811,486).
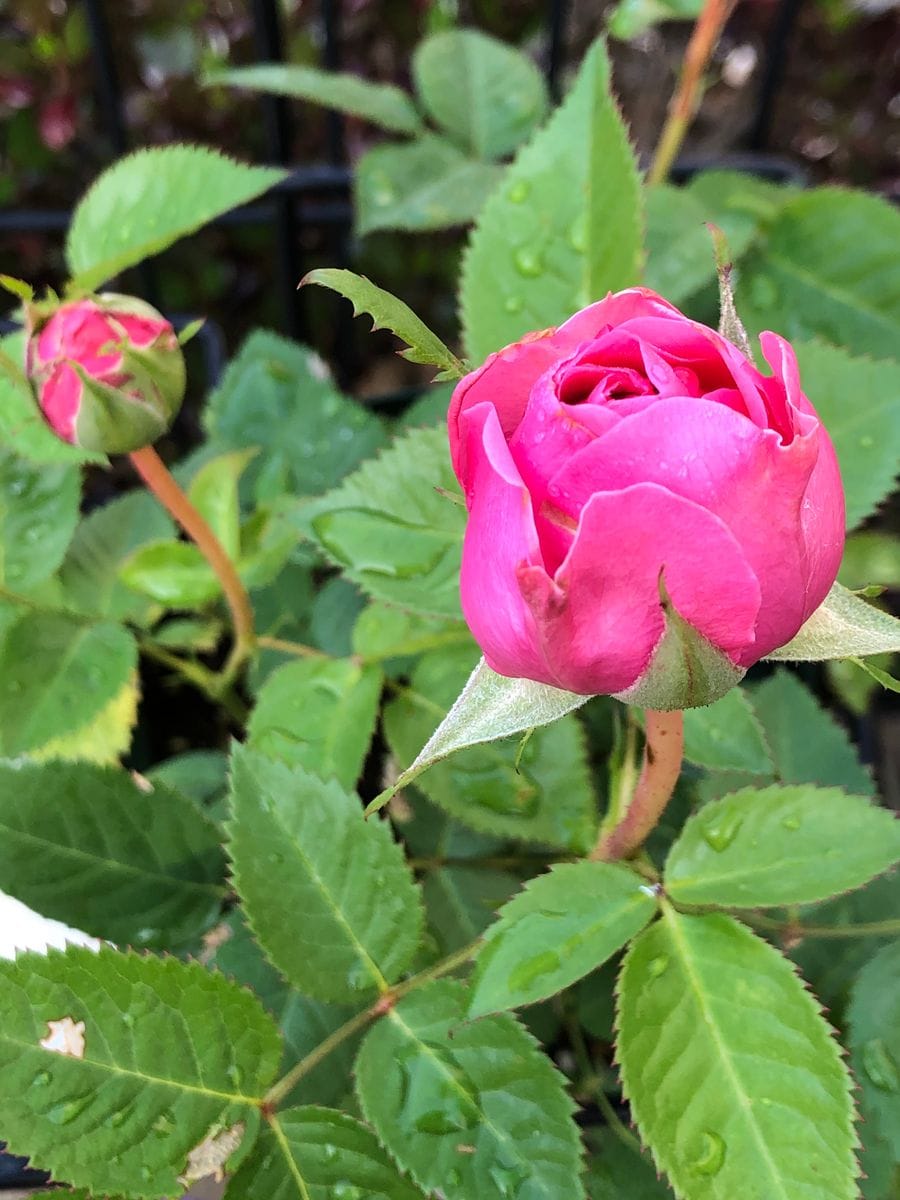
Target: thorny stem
(156,476)
(686,98)
(382,1005)
(663,753)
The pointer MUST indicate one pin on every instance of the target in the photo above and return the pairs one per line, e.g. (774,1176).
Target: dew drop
(163,1125)
(507,1180)
(358,978)
(345,1191)
(454,1177)
(62,1114)
(532,969)
(658,966)
(41,1079)
(878,1063)
(513,304)
(791,823)
(146,1173)
(329,1152)
(117,1118)
(235,1076)
(518,193)
(867,442)
(528,262)
(719,835)
(711,1156)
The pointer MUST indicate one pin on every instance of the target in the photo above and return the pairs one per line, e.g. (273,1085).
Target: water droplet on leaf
(879,1065)
(658,966)
(711,1154)
(528,262)
(329,1152)
(532,969)
(791,823)
(41,1079)
(518,193)
(514,304)
(719,835)
(62,1114)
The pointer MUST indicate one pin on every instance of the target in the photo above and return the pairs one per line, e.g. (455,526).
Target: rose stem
(156,476)
(686,99)
(663,752)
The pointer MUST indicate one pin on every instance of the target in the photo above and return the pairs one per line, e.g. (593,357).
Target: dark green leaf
(874,1027)
(280,397)
(172,1055)
(387,312)
(327,894)
(149,200)
(57,674)
(380,103)
(390,531)
(505,94)
(807,744)
(780,845)
(319,714)
(563,228)
(829,268)
(319,1154)
(562,926)
(471,1108)
(38,514)
(733,1076)
(85,845)
(419,186)
(866,433)
(546,798)
(727,736)
(616,1171)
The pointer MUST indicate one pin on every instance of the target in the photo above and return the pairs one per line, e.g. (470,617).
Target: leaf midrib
(285,1148)
(673,921)
(111,863)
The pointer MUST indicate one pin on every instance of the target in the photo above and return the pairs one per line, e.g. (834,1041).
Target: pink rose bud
(649,514)
(107,372)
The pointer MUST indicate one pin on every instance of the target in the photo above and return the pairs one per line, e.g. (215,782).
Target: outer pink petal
(60,398)
(500,538)
(506,378)
(744,475)
(600,619)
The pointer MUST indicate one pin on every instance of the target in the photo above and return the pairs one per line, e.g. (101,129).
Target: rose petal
(601,618)
(716,457)
(500,537)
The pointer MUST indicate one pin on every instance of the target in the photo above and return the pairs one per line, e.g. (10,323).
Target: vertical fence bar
(267,30)
(111,102)
(773,72)
(557,14)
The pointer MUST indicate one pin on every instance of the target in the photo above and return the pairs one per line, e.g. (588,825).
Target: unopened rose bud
(107,372)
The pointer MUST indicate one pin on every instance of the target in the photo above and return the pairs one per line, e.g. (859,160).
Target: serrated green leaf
(214,493)
(844,626)
(84,845)
(57,673)
(388,312)
(280,397)
(380,103)
(419,186)
(390,531)
(472,1108)
(384,633)
(301,846)
(807,744)
(866,433)
(319,1154)
(506,97)
(726,736)
(104,738)
(200,774)
(461,901)
(543,794)
(103,541)
(733,1076)
(151,199)
(829,268)
(171,1053)
(874,1036)
(303,1023)
(559,928)
(616,1171)
(319,714)
(563,228)
(172,573)
(762,848)
(38,515)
